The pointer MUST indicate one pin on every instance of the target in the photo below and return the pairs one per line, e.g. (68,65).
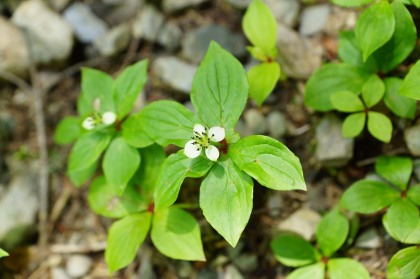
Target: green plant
(3,253)
(384,36)
(260,27)
(331,234)
(404,264)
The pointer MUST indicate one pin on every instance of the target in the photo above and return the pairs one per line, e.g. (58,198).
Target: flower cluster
(202,139)
(95,119)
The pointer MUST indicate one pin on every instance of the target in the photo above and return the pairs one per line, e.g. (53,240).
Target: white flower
(109,117)
(88,123)
(202,139)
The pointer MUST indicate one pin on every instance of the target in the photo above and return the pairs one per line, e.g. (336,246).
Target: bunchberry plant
(404,264)
(213,150)
(260,27)
(384,36)
(315,262)
(3,253)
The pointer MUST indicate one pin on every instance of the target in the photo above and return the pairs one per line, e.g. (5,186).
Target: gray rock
(340,19)
(14,54)
(170,36)
(184,269)
(19,205)
(58,5)
(304,222)
(299,57)
(59,273)
(145,270)
(285,11)
(255,121)
(232,272)
(240,4)
(171,6)
(86,25)
(277,124)
(369,239)
(174,73)
(196,42)
(313,19)
(123,11)
(207,274)
(49,36)
(78,265)
(114,41)
(332,150)
(246,262)
(275,204)
(412,139)
(148,23)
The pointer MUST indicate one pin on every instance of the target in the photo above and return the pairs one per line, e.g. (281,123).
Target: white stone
(175,72)
(277,124)
(49,36)
(78,265)
(412,139)
(148,23)
(255,121)
(114,41)
(313,19)
(285,11)
(14,54)
(369,239)
(59,273)
(170,36)
(304,222)
(86,25)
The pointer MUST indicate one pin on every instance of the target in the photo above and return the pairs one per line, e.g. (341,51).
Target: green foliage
(3,253)
(262,80)
(400,105)
(404,264)
(68,130)
(379,126)
(351,3)
(332,232)
(411,85)
(346,268)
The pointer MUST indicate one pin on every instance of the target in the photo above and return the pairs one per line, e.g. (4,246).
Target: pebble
(369,239)
(246,262)
(86,25)
(304,222)
(412,139)
(59,273)
(240,4)
(170,36)
(332,150)
(19,204)
(196,42)
(184,269)
(14,54)
(255,122)
(275,204)
(299,57)
(148,23)
(171,6)
(123,11)
(114,41)
(277,124)
(175,73)
(50,36)
(313,19)
(285,11)
(232,272)
(340,19)
(78,265)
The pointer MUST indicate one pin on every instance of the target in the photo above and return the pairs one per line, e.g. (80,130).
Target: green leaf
(367,196)
(293,250)
(176,234)
(396,170)
(350,53)
(404,264)
(313,271)
(260,27)
(332,232)
(332,78)
(124,238)
(346,101)
(120,163)
(174,170)
(262,80)
(414,236)
(346,268)
(134,133)
(411,85)
(220,88)
(269,162)
(373,90)
(401,219)
(374,27)
(103,200)
(416,3)
(86,152)
(128,86)
(351,3)
(3,253)
(353,125)
(95,85)
(168,122)
(400,105)
(226,200)
(68,130)
(379,126)
(414,194)
(258,53)
(80,176)
(402,42)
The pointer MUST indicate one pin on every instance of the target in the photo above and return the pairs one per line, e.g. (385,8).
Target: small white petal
(217,133)
(212,153)
(199,128)
(192,150)
(109,117)
(88,123)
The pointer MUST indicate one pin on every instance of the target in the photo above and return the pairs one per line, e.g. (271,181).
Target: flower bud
(109,117)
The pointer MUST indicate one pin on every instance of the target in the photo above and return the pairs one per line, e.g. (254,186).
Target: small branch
(17,81)
(78,248)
